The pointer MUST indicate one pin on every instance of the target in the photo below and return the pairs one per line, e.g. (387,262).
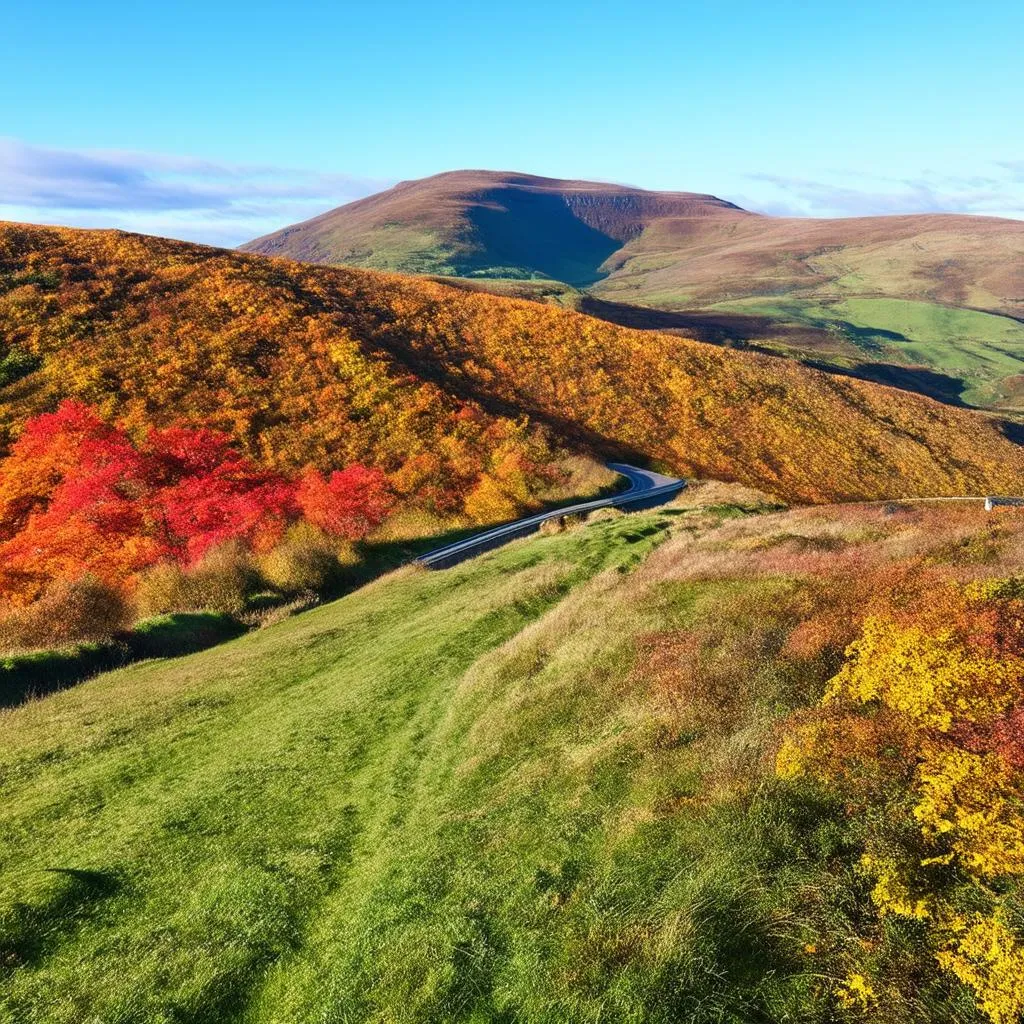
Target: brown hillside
(485,223)
(976,262)
(310,363)
(670,250)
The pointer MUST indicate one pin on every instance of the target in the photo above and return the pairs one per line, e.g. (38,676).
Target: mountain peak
(480,223)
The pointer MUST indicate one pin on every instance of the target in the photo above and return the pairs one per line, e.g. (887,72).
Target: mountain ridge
(309,364)
(933,299)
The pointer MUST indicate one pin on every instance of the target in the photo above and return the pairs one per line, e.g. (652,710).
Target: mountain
(438,385)
(932,302)
(484,224)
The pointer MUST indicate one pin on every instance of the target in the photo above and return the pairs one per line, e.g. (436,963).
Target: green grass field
(460,796)
(428,801)
(981,350)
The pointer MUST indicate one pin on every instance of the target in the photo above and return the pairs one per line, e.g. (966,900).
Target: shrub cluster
(179,521)
(921,733)
(82,610)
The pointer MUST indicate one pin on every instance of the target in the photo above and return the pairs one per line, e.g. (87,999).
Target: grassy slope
(466,796)
(288,799)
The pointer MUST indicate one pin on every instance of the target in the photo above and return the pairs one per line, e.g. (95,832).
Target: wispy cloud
(1015,168)
(179,196)
(999,194)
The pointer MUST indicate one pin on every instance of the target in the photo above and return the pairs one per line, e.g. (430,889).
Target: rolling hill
(323,365)
(483,224)
(933,303)
(540,786)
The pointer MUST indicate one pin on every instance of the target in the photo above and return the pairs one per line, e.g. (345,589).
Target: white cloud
(178,196)
(999,195)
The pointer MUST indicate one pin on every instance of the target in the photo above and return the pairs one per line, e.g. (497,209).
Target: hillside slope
(308,364)
(942,292)
(551,794)
(486,224)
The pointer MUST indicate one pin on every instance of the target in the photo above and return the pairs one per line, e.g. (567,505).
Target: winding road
(647,489)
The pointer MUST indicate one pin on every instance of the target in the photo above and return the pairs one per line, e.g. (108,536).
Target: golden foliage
(330,366)
(923,724)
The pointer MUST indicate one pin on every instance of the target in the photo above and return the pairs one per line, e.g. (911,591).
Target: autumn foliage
(79,496)
(298,370)
(921,732)
(460,398)
(851,680)
(350,502)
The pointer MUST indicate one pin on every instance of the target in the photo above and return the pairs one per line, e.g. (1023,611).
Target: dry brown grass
(82,611)
(582,477)
(705,493)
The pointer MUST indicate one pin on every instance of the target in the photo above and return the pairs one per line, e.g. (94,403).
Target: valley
(435,593)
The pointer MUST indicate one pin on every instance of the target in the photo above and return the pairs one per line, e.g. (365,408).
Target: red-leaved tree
(204,492)
(348,503)
(78,496)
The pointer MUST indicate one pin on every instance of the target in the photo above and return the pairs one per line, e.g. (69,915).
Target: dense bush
(224,580)
(79,495)
(920,731)
(305,559)
(68,612)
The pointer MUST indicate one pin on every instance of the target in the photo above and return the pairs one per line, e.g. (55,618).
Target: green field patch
(979,349)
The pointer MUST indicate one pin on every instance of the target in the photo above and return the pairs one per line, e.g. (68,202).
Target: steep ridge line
(647,490)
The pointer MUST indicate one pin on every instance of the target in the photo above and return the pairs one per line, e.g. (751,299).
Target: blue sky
(218,121)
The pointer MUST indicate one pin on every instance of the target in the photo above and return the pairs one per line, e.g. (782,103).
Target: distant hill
(438,385)
(932,303)
(485,224)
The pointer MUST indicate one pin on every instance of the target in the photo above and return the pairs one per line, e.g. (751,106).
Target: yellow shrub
(923,722)
(160,590)
(929,677)
(975,800)
(986,956)
(306,559)
(891,893)
(223,581)
(855,993)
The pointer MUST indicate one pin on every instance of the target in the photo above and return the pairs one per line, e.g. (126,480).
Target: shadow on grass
(940,386)
(38,673)
(1012,430)
(38,923)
